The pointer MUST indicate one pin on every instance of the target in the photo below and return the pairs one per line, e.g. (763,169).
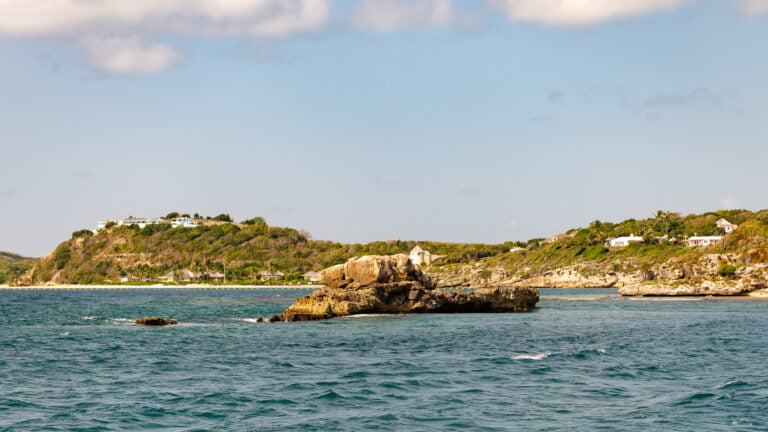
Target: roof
(169,274)
(723,222)
(417,249)
(188,273)
(312,273)
(705,237)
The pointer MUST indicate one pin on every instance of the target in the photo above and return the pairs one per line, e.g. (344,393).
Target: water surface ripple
(586,360)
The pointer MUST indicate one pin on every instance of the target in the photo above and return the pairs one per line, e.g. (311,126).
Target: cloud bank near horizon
(120,37)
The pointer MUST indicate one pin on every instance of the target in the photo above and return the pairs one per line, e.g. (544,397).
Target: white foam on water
(248,320)
(64,334)
(88,318)
(600,350)
(540,356)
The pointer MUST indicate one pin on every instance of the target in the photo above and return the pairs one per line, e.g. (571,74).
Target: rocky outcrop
(155,321)
(690,289)
(393,285)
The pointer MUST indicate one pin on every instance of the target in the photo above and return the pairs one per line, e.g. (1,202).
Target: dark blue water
(586,360)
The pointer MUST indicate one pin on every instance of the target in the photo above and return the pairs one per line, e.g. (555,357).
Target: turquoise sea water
(585,360)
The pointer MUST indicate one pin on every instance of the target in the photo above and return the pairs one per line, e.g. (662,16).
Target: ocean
(584,360)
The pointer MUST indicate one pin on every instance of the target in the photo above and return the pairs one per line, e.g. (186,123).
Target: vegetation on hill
(663,240)
(245,249)
(240,249)
(13,266)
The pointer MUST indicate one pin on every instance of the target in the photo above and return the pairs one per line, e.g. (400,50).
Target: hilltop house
(312,276)
(419,256)
(183,222)
(726,226)
(703,240)
(620,242)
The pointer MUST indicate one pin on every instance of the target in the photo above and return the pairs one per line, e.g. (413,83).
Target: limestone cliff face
(704,288)
(614,275)
(392,285)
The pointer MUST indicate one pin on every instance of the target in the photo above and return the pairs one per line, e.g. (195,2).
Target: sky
(361,120)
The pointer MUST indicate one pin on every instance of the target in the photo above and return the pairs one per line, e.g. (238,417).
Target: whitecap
(64,334)
(540,356)
(249,320)
(600,350)
(88,318)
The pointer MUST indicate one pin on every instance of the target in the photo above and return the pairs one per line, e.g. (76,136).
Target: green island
(720,252)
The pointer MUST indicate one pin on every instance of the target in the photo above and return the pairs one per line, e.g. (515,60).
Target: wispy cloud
(700,96)
(123,37)
(116,35)
(752,8)
(579,12)
(391,15)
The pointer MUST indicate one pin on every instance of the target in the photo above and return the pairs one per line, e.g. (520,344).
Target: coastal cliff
(393,285)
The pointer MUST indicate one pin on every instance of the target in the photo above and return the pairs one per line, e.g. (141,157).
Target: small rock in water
(260,320)
(155,321)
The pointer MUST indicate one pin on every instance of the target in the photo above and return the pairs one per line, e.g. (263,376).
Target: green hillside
(12,266)
(242,249)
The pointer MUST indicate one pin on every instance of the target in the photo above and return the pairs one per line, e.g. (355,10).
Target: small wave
(64,334)
(363,316)
(600,350)
(88,318)
(249,320)
(540,356)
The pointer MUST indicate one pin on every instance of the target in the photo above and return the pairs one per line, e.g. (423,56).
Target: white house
(419,256)
(625,241)
(268,275)
(703,240)
(312,276)
(726,226)
(183,222)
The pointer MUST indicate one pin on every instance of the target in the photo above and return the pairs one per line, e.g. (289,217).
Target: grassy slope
(248,249)
(245,249)
(13,265)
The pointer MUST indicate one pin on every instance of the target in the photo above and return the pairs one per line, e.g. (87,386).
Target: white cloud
(129,56)
(188,17)
(108,29)
(579,12)
(753,8)
(391,15)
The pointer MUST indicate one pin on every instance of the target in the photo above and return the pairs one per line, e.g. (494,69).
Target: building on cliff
(726,226)
(419,256)
(620,242)
(703,240)
(183,222)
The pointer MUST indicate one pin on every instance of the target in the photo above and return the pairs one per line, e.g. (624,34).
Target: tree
(224,217)
(172,215)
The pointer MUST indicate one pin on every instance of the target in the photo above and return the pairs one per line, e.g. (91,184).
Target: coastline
(157,286)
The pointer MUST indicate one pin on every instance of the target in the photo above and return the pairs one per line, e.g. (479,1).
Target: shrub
(726,270)
(223,217)
(82,233)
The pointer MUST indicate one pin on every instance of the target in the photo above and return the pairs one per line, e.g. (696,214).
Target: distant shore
(157,286)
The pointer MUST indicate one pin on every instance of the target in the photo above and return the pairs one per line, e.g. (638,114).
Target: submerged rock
(155,321)
(393,285)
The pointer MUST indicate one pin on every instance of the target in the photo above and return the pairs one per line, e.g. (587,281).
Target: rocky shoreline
(393,285)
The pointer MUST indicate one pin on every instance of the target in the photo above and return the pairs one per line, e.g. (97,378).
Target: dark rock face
(155,321)
(392,284)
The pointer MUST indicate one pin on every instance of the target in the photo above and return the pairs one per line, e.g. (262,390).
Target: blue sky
(466,121)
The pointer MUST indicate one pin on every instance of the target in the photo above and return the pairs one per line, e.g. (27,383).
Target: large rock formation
(392,284)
